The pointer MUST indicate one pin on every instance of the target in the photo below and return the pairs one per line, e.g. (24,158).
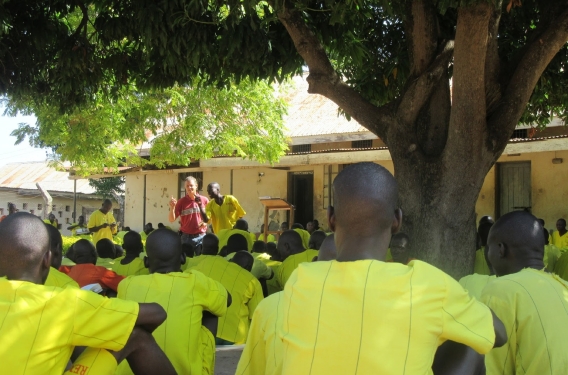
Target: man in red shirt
(193,219)
(86,272)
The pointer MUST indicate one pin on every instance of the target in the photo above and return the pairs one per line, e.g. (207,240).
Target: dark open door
(514,187)
(301,195)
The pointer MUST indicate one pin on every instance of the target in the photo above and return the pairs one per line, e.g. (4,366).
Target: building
(531,174)
(18,185)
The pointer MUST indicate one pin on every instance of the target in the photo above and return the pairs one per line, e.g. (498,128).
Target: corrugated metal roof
(312,114)
(26,175)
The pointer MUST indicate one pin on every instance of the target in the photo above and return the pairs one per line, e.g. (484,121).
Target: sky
(9,153)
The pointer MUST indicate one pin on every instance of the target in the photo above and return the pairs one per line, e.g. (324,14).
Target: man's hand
(198,200)
(173,203)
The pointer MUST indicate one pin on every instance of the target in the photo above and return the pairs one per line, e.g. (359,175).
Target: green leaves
(170,127)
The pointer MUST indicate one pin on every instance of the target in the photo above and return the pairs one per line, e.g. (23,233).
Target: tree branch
(325,81)
(532,64)
(418,92)
(492,60)
(421,27)
(83,25)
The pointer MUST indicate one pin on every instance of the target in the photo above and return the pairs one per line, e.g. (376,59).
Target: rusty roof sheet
(313,114)
(26,175)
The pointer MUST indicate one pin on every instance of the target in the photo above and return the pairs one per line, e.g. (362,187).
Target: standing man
(11,210)
(102,223)
(560,238)
(224,210)
(193,219)
(79,225)
(51,220)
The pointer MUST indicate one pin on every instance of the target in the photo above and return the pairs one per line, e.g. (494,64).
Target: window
(60,213)
(1,211)
(366,143)
(66,220)
(39,207)
(182,176)
(32,212)
(25,206)
(67,208)
(520,133)
(302,148)
(54,207)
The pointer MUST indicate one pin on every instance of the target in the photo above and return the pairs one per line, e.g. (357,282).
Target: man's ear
(146,262)
(331,218)
(397,221)
(46,261)
(503,250)
(183,258)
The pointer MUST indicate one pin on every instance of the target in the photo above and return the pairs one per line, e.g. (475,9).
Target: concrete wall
(63,207)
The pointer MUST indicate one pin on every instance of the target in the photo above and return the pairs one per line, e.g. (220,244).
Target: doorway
(301,195)
(514,187)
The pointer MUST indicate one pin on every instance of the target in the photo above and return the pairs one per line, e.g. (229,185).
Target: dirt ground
(227,358)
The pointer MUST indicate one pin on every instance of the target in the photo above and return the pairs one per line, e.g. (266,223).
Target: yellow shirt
(561,266)
(245,291)
(559,241)
(373,317)
(305,237)
(263,351)
(67,262)
(192,262)
(108,263)
(259,268)
(226,215)
(533,306)
(50,223)
(291,263)
(271,238)
(134,268)
(184,296)
(97,219)
(481,267)
(226,233)
(42,324)
(551,255)
(475,283)
(59,279)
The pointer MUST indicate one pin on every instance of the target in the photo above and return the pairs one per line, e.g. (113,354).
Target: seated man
(399,248)
(293,252)
(269,238)
(404,312)
(475,283)
(86,272)
(299,228)
(209,248)
(131,264)
(241,227)
(245,291)
(106,253)
(260,270)
(316,239)
(42,325)
(184,296)
(55,277)
(532,303)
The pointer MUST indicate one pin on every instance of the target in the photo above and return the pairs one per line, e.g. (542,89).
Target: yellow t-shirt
(475,283)
(134,268)
(561,266)
(42,324)
(291,263)
(271,238)
(184,296)
(192,262)
(373,317)
(50,223)
(481,267)
(67,262)
(533,306)
(259,268)
(551,255)
(226,233)
(263,351)
(226,215)
(107,263)
(121,235)
(561,242)
(97,219)
(59,279)
(305,237)
(245,291)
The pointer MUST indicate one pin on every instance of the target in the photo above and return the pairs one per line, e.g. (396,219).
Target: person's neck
(190,196)
(562,232)
(536,264)
(362,248)
(219,199)
(131,257)
(166,269)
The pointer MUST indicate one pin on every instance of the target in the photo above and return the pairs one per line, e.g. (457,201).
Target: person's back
(532,303)
(225,234)
(184,296)
(292,250)
(475,283)
(86,271)
(246,293)
(303,233)
(131,264)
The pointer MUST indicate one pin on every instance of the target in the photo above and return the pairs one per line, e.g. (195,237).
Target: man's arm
(201,209)
(500,331)
(72,226)
(150,316)
(96,229)
(457,359)
(172,215)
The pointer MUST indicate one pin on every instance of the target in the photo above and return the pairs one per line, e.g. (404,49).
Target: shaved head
(24,248)
(210,244)
(163,247)
(364,212)
(327,250)
(55,246)
(243,259)
(316,239)
(289,243)
(84,252)
(236,242)
(132,243)
(516,242)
